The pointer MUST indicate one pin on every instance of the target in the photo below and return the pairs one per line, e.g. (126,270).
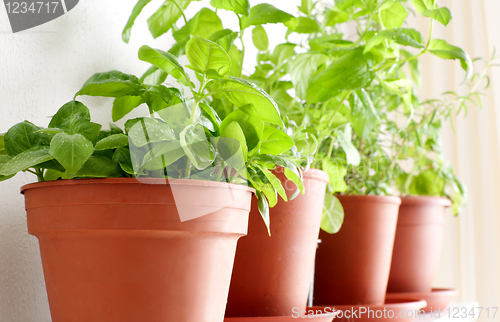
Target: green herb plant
(183,137)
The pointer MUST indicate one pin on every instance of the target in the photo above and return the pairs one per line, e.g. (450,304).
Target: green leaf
(98,166)
(124,105)
(351,72)
(71,150)
(263,206)
(149,130)
(402,36)
(153,76)
(250,98)
(203,24)
(51,175)
(336,173)
(122,157)
(364,116)
(205,55)
(74,117)
(333,214)
(164,18)
(306,26)
(275,141)
(344,4)
(112,142)
(3,151)
(252,127)
(26,159)
(423,5)
(165,61)
(24,136)
(282,52)
(162,155)
(443,15)
(265,13)
(159,97)
(393,16)
(135,12)
(302,68)
(442,49)
(241,7)
(275,182)
(224,38)
(293,174)
(335,16)
(111,84)
(306,6)
(259,38)
(196,146)
(234,131)
(352,154)
(427,183)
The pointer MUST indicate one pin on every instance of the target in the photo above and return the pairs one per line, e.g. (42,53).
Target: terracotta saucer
(316,314)
(436,299)
(403,310)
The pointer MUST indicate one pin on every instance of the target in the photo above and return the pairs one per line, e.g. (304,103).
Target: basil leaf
(275,182)
(333,214)
(71,150)
(259,38)
(112,142)
(162,155)
(275,141)
(250,98)
(165,61)
(336,173)
(265,13)
(203,24)
(241,7)
(52,175)
(402,36)
(164,18)
(306,26)
(74,117)
(422,5)
(442,15)
(24,136)
(442,49)
(3,151)
(224,38)
(153,76)
(234,131)
(124,105)
(205,55)
(302,68)
(111,84)
(351,72)
(196,146)
(263,206)
(149,130)
(135,12)
(252,127)
(122,157)
(394,15)
(26,159)
(98,166)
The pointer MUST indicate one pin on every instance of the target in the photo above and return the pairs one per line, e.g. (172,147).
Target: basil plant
(183,137)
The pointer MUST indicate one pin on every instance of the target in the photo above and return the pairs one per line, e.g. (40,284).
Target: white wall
(40,70)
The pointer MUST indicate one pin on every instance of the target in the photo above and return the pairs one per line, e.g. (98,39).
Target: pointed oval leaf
(26,159)
(333,214)
(24,136)
(135,12)
(205,55)
(112,142)
(442,15)
(165,61)
(71,150)
(111,84)
(443,49)
(259,38)
(241,7)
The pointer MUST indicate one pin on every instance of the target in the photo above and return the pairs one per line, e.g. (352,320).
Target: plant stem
(339,106)
(242,58)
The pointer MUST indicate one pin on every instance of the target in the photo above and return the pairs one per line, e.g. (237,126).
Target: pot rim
(431,200)
(370,198)
(144,181)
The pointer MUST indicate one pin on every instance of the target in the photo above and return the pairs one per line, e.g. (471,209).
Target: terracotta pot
(417,248)
(115,250)
(272,274)
(352,266)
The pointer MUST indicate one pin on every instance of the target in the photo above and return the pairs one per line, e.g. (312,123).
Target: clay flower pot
(417,248)
(115,250)
(272,274)
(352,266)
